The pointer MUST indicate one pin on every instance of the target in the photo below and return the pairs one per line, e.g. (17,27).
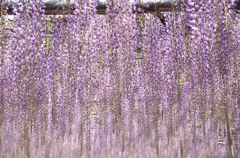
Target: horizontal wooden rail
(54,7)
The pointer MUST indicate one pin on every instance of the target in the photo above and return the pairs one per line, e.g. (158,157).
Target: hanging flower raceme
(122,84)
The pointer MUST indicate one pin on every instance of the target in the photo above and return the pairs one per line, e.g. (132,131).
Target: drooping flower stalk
(121,84)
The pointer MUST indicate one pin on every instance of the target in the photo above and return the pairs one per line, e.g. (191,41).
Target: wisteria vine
(122,84)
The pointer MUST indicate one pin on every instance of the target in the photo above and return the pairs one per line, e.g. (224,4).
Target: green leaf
(138,53)
(48,25)
(11,23)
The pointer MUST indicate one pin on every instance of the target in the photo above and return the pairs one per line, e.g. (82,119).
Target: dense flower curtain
(121,84)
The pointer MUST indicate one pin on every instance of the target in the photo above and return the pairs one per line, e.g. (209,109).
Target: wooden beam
(54,7)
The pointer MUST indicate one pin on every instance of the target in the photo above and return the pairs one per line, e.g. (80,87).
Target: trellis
(54,7)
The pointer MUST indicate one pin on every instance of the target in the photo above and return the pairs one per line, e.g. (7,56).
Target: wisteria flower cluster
(123,84)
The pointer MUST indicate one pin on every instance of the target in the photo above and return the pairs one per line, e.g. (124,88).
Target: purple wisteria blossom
(121,84)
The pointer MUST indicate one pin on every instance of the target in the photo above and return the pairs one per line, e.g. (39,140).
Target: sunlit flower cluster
(123,84)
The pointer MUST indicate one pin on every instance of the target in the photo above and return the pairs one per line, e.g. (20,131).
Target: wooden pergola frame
(54,7)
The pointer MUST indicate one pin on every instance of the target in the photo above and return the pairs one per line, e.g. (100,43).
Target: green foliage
(11,22)
(48,26)
(141,20)
(138,53)
(47,40)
